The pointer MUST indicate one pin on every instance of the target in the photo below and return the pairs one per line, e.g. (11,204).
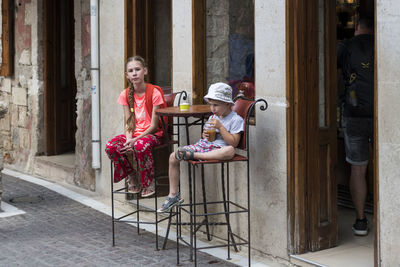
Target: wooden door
(312,125)
(59,77)
(139,32)
(322,123)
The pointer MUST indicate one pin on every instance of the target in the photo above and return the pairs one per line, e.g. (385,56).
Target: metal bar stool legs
(138,210)
(226,209)
(112,207)
(195,223)
(205,204)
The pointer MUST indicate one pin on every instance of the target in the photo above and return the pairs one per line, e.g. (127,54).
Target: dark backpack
(359,76)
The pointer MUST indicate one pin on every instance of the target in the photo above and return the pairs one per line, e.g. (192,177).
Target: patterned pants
(142,152)
(202,146)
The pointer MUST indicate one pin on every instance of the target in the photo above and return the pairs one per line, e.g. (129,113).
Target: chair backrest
(242,108)
(169,100)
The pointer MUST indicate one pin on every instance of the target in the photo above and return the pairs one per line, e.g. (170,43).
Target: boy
(228,125)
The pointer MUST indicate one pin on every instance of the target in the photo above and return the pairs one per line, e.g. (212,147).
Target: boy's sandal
(149,191)
(170,202)
(184,154)
(179,153)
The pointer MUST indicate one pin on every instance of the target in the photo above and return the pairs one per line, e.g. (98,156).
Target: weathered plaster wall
(388,97)
(182,59)
(84,175)
(182,45)
(111,81)
(3,111)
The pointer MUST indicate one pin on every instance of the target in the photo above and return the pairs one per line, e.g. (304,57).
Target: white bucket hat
(221,92)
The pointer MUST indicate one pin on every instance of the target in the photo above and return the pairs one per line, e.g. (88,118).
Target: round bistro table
(196,111)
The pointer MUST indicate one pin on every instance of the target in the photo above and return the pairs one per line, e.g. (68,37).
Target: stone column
(3,111)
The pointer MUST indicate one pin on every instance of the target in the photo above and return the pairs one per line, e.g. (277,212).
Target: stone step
(299,261)
(59,168)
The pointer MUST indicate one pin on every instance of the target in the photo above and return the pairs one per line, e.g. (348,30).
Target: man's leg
(358,188)
(357,132)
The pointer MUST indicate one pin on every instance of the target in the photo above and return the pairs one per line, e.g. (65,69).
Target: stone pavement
(58,231)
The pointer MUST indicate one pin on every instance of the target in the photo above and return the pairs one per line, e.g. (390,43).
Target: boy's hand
(204,134)
(214,123)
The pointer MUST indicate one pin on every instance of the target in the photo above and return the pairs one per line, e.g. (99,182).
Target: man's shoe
(360,227)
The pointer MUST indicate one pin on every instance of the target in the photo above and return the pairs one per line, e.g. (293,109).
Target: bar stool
(245,108)
(160,175)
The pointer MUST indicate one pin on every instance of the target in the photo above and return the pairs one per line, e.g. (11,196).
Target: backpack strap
(149,102)
(149,96)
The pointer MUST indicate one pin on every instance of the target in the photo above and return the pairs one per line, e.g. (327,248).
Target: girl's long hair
(130,122)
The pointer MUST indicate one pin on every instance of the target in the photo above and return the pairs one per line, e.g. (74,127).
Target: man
(356,59)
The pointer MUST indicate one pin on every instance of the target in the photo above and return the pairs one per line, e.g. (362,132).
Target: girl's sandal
(133,186)
(149,191)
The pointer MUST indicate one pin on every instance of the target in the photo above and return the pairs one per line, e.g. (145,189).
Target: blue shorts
(358,133)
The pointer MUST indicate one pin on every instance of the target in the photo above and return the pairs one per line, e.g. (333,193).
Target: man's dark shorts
(358,132)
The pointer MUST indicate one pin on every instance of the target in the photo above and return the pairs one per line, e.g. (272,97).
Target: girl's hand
(128,145)
(130,142)
(214,123)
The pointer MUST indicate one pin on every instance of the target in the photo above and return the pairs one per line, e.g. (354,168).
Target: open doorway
(59,77)
(148,33)
(320,207)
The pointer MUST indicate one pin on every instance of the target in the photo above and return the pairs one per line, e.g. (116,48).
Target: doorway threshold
(56,168)
(351,250)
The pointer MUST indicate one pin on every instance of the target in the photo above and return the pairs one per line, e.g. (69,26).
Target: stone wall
(217,36)
(229,39)
(388,98)
(22,130)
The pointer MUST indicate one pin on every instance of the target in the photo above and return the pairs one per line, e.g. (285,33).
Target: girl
(142,130)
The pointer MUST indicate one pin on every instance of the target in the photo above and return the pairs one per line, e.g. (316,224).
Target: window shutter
(7,64)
